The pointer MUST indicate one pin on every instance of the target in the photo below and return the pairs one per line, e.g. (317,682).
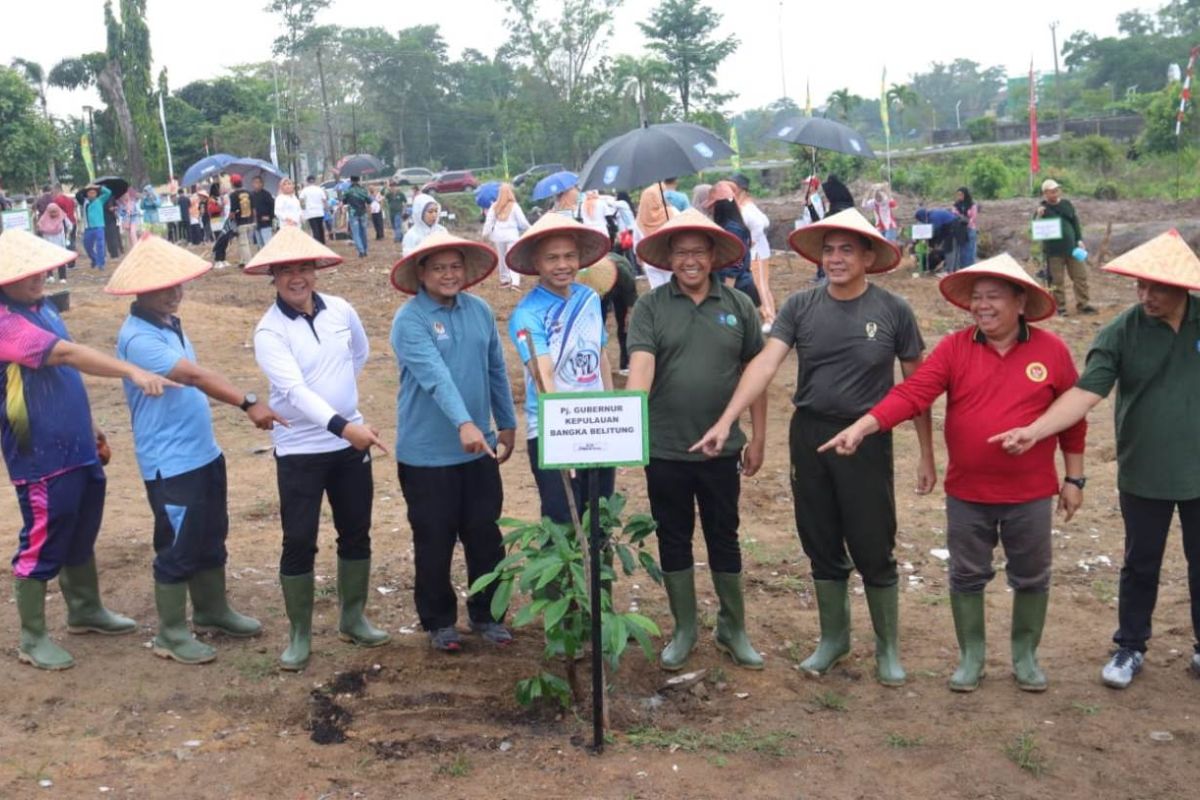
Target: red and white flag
(1035,163)
(1187,90)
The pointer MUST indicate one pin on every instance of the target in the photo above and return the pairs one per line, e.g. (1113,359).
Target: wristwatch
(251,398)
(1078,482)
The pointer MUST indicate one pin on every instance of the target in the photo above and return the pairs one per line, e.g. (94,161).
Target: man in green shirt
(689,340)
(1060,260)
(1151,353)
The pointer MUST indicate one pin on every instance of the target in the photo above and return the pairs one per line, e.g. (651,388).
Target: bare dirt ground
(402,721)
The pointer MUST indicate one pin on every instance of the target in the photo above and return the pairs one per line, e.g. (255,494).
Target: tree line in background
(549,94)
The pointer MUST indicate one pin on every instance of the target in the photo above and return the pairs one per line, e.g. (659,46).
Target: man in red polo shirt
(996,372)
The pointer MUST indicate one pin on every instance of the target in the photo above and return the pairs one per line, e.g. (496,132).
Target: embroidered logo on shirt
(439,330)
(872,329)
(727,319)
(1036,371)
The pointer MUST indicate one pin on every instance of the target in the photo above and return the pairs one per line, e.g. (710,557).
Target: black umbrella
(359,164)
(651,154)
(824,134)
(118,187)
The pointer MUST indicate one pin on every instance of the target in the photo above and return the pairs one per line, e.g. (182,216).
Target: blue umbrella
(486,194)
(250,168)
(205,168)
(554,184)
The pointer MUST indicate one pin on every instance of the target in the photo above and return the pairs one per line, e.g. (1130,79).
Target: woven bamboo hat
(600,277)
(655,249)
(957,286)
(807,241)
(480,260)
(291,246)
(155,264)
(592,243)
(1164,259)
(22,254)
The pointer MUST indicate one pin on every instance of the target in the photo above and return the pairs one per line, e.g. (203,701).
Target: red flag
(1034,161)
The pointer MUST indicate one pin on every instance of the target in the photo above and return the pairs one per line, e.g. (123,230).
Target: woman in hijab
(882,203)
(53,226)
(287,204)
(503,225)
(652,214)
(567,202)
(425,213)
(150,204)
(700,195)
(723,208)
(968,210)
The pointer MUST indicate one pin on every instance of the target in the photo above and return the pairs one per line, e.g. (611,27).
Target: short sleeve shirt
(1157,375)
(45,418)
(172,434)
(846,349)
(699,351)
(569,330)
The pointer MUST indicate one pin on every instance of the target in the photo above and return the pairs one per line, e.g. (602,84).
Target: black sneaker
(445,639)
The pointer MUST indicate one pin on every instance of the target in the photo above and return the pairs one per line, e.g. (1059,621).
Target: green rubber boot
(298,601)
(681,593)
(36,647)
(833,607)
(210,606)
(883,603)
(1028,619)
(731,621)
(969,627)
(85,613)
(174,640)
(353,578)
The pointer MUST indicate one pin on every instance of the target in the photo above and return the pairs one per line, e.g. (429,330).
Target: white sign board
(593,429)
(16,221)
(922,231)
(168,214)
(1045,230)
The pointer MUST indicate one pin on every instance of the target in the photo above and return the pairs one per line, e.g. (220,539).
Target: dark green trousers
(845,505)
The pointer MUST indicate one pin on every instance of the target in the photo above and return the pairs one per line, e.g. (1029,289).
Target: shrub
(982,129)
(1099,153)
(987,176)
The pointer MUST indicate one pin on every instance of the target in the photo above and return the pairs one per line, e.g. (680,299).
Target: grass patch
(1086,709)
(1025,753)
(794,653)
(762,555)
(460,767)
(830,700)
(899,741)
(717,675)
(933,599)
(792,583)
(743,740)
(1104,590)
(254,666)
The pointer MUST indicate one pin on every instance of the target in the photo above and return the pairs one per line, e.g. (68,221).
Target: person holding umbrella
(453,384)
(690,340)
(999,372)
(558,329)
(503,224)
(311,347)
(53,452)
(177,453)
(94,230)
(358,204)
(848,334)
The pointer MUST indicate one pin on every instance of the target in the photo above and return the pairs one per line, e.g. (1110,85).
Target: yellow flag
(85,148)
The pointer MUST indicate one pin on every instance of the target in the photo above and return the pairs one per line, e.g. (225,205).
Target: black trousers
(191,522)
(843,502)
(554,496)
(676,488)
(377,221)
(344,476)
(615,301)
(445,505)
(1147,523)
(317,226)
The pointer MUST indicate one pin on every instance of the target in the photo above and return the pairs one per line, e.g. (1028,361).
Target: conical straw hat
(291,246)
(600,277)
(479,258)
(655,249)
(22,254)
(592,243)
(957,286)
(807,241)
(1164,259)
(155,264)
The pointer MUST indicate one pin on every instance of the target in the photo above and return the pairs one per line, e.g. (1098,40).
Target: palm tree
(901,96)
(845,101)
(35,76)
(639,76)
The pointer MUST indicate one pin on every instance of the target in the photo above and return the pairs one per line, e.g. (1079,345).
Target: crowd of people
(704,342)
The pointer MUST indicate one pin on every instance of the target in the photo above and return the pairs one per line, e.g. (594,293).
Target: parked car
(447,182)
(535,172)
(413,176)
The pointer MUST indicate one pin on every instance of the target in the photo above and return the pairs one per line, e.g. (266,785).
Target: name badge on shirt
(439,330)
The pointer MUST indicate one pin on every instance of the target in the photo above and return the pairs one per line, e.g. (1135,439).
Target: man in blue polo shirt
(52,450)
(453,383)
(180,462)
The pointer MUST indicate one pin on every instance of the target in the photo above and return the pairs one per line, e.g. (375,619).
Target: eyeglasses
(690,255)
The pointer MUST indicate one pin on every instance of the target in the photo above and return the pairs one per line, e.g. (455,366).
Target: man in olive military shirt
(689,340)
(1151,353)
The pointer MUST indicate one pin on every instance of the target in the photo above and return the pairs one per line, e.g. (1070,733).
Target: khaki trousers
(1062,266)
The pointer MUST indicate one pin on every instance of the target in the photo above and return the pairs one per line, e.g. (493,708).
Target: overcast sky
(830,44)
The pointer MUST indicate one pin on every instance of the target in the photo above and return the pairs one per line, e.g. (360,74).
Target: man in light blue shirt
(453,384)
(177,453)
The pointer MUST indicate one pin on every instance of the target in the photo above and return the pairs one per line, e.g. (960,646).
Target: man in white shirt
(311,347)
(312,197)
